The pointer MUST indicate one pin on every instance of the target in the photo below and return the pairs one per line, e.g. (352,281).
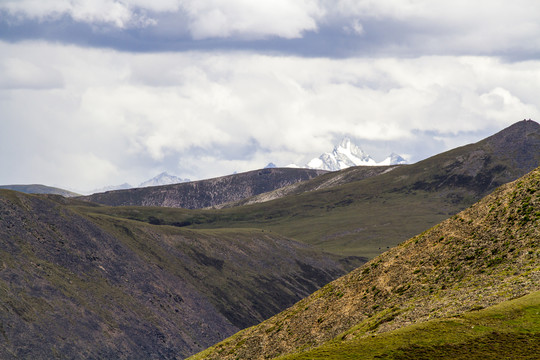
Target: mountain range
(84,278)
(161,179)
(206,193)
(39,189)
(362,211)
(347,154)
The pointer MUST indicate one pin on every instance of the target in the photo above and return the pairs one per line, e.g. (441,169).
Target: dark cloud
(381,37)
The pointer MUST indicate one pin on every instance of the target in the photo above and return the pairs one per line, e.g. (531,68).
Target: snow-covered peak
(293,166)
(347,154)
(123,186)
(162,179)
(393,159)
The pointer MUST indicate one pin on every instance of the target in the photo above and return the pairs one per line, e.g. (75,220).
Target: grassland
(510,329)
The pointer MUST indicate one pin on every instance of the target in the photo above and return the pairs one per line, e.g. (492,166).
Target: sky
(102,92)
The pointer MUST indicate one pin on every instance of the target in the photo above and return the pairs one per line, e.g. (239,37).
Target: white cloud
(119,13)
(206,18)
(16,73)
(389,26)
(355,28)
(252,19)
(443,27)
(126,116)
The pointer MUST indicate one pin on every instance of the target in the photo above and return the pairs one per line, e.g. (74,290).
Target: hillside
(88,285)
(206,193)
(508,330)
(364,216)
(325,181)
(485,255)
(39,189)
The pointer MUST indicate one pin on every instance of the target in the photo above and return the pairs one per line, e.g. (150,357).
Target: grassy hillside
(96,286)
(328,180)
(485,255)
(366,213)
(510,329)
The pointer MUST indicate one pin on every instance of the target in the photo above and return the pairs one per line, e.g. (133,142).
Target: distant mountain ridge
(123,186)
(206,193)
(347,154)
(163,179)
(39,189)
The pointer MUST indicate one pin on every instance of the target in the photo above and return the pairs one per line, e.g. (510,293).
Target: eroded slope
(95,286)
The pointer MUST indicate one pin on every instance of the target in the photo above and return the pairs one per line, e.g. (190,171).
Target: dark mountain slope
(39,189)
(479,168)
(206,193)
(95,286)
(485,255)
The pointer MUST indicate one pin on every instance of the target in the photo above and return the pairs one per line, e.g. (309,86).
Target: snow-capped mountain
(163,179)
(123,186)
(393,159)
(346,154)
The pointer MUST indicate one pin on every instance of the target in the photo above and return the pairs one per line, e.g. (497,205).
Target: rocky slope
(482,256)
(207,193)
(75,283)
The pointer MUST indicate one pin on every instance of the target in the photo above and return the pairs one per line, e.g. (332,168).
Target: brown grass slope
(485,255)
(206,193)
(95,286)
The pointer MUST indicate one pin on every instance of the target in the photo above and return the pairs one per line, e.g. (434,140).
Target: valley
(168,271)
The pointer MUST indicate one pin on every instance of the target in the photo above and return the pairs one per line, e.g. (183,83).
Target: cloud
(16,73)
(117,13)
(207,19)
(443,27)
(303,27)
(203,114)
(226,18)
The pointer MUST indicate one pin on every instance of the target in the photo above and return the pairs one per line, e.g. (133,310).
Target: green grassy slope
(485,255)
(510,329)
(96,286)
